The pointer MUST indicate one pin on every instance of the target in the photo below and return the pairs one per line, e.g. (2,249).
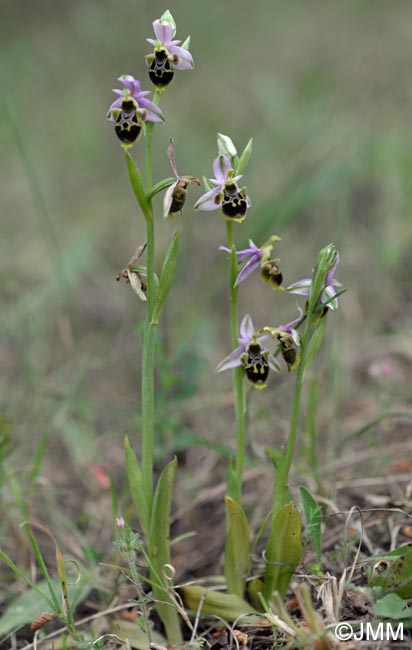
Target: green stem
(281,490)
(238,373)
(149,336)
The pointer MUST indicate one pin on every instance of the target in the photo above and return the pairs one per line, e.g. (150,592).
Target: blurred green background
(325,90)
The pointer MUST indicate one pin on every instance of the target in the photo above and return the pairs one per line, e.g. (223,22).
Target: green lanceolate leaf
(159,187)
(244,157)
(283,550)
(226,606)
(159,550)
(397,577)
(166,277)
(136,487)
(313,517)
(237,563)
(137,184)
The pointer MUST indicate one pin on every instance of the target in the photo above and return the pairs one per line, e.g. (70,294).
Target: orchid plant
(256,353)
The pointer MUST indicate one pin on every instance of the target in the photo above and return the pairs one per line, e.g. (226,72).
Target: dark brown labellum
(128,124)
(289,355)
(271,274)
(256,365)
(178,197)
(234,205)
(161,71)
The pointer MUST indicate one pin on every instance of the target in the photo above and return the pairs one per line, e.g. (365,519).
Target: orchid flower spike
(225,193)
(131,109)
(175,195)
(252,355)
(168,54)
(258,258)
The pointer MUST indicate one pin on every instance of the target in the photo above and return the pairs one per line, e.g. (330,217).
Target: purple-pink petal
(327,293)
(171,157)
(129,82)
(245,254)
(232,360)
(247,270)
(207,200)
(163,32)
(295,336)
(116,104)
(168,198)
(289,326)
(331,274)
(154,114)
(246,330)
(302,287)
(185,59)
(221,166)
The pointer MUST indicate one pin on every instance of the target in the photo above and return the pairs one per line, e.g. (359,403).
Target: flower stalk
(319,288)
(238,374)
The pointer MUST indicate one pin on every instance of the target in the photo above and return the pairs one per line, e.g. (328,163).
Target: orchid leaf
(228,607)
(392,606)
(137,184)
(136,487)
(237,562)
(159,550)
(397,577)
(283,550)
(313,517)
(166,277)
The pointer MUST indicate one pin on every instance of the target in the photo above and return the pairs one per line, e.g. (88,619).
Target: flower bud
(225,146)
(327,259)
